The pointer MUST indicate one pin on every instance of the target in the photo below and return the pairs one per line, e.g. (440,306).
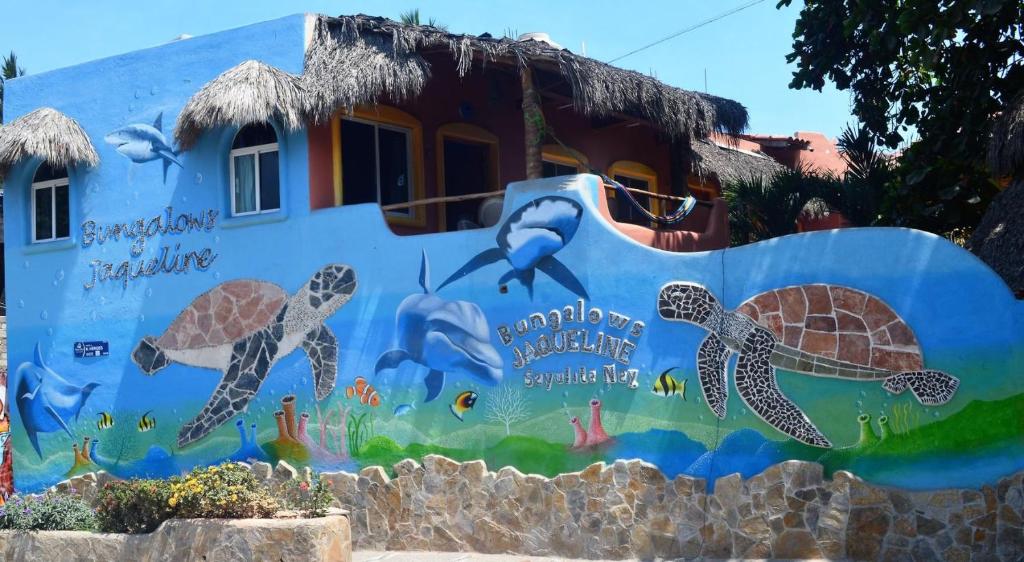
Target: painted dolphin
(529,240)
(144,143)
(444,336)
(46,401)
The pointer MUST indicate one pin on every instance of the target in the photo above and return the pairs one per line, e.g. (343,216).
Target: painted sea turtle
(242,328)
(819,330)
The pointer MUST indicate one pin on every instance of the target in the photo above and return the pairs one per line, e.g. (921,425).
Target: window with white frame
(51,206)
(376,164)
(255,175)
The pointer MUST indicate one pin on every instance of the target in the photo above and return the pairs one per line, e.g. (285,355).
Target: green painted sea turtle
(819,330)
(242,328)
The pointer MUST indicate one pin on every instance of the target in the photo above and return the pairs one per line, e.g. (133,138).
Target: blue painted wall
(964,317)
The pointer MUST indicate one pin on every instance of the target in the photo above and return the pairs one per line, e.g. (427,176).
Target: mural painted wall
(547,342)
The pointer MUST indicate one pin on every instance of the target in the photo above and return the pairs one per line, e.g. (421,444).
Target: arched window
(559,161)
(255,175)
(637,176)
(51,206)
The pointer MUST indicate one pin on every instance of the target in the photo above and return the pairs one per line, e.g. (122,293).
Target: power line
(689,29)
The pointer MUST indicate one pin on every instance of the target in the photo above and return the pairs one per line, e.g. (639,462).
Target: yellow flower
(173,501)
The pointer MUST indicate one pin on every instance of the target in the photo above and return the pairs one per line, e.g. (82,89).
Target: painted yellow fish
(106,421)
(147,422)
(667,385)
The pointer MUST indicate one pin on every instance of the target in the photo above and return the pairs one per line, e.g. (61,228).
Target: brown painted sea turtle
(820,330)
(242,328)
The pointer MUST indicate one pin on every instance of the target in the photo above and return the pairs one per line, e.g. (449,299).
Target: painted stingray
(444,336)
(144,143)
(529,240)
(242,328)
(47,401)
(818,330)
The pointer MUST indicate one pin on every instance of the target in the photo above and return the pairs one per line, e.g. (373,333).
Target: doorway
(466,171)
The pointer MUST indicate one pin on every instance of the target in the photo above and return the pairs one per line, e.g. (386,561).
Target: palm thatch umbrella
(252,92)
(999,237)
(46,134)
(729,165)
(355,60)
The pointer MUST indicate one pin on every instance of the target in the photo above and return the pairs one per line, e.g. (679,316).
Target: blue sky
(743,53)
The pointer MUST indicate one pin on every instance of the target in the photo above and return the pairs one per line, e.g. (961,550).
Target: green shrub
(311,499)
(134,506)
(48,512)
(225,491)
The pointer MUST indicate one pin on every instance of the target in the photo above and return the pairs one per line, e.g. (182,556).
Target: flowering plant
(310,498)
(133,506)
(228,490)
(47,512)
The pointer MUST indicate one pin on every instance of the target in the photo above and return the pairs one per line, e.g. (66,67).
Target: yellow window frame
(470,133)
(555,154)
(638,171)
(385,115)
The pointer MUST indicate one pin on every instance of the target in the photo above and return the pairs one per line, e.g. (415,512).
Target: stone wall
(629,509)
(326,539)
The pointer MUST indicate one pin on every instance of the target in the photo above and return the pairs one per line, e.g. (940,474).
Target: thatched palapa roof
(727,164)
(46,134)
(361,59)
(252,92)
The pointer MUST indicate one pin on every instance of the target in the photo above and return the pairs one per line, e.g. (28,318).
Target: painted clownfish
(463,403)
(365,391)
(666,386)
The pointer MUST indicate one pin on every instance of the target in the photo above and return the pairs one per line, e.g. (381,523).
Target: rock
(284,472)
(375,474)
(261,470)
(473,471)
(325,539)
(866,530)
(491,538)
(794,543)
(406,467)
(440,465)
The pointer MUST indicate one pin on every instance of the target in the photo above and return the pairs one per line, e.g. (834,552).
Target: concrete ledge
(326,539)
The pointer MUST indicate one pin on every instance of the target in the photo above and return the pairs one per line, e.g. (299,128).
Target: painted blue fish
(144,143)
(402,409)
(529,240)
(444,336)
(46,401)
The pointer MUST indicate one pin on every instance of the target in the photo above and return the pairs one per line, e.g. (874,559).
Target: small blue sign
(91,348)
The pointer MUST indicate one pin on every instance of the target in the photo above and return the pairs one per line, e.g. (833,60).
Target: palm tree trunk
(533,125)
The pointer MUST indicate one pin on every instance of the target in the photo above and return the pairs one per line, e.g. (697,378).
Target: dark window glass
(624,210)
(46,172)
(394,166)
(555,169)
(466,171)
(270,189)
(62,211)
(358,163)
(44,213)
(255,135)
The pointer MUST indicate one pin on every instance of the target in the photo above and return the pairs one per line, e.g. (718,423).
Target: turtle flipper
(251,360)
(756,384)
(321,347)
(929,387)
(712,356)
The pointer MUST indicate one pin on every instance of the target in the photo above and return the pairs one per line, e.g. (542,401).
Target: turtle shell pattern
(838,323)
(225,314)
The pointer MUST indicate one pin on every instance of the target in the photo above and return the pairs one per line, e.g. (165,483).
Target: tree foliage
(9,68)
(937,69)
